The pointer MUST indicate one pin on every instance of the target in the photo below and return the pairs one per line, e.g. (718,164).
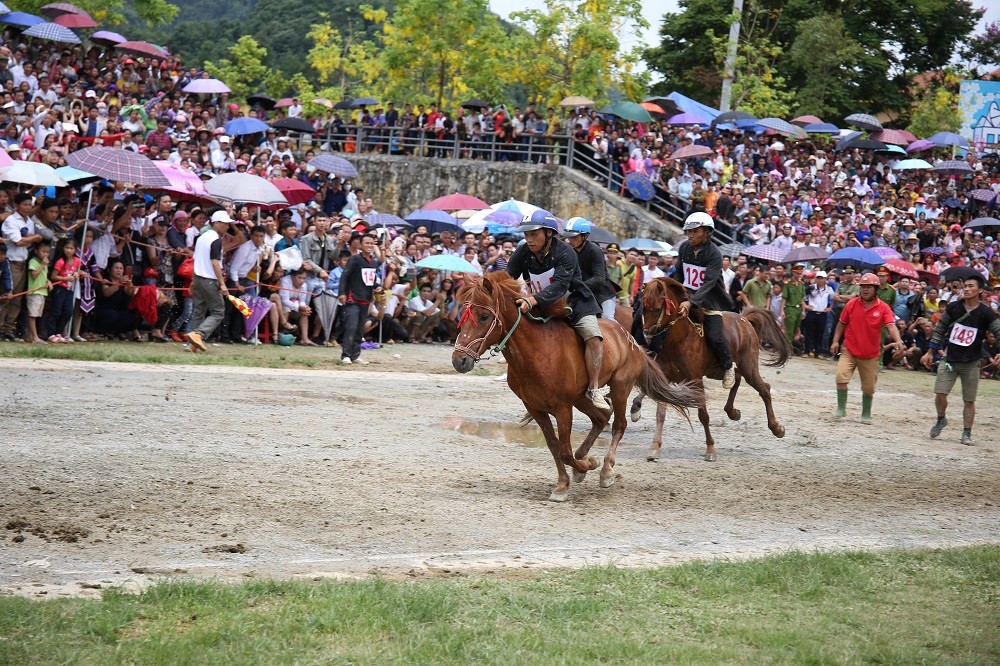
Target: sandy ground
(120,474)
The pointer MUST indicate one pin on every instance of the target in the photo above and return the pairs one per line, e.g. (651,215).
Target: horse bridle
(658,328)
(481,341)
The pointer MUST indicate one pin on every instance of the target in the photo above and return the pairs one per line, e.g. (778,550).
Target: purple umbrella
(687,119)
(259,307)
(107,38)
(507,218)
(984,195)
(919,145)
(766,252)
(206,87)
(934,250)
(887,253)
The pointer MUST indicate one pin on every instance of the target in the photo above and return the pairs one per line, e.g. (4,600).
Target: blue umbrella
(821,128)
(889,148)
(386,220)
(846,139)
(242,126)
(948,139)
(906,165)
(640,186)
(429,216)
(855,256)
(22,19)
(76,176)
(504,218)
(447,262)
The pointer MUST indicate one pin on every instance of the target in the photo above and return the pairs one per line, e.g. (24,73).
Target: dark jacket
(712,294)
(594,270)
(359,279)
(982,319)
(566,278)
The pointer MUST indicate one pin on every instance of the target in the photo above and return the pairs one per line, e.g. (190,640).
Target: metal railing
(526,148)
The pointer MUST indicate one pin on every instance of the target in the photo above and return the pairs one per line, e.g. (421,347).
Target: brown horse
(685,356)
(546,370)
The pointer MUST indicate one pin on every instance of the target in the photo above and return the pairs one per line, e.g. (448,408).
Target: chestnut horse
(546,370)
(685,356)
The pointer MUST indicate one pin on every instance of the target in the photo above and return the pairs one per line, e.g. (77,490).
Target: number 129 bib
(694,276)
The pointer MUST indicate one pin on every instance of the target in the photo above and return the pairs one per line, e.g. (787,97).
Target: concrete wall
(401,185)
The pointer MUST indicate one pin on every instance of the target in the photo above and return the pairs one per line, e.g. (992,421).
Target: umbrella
(475,104)
(386,220)
(640,186)
(358,102)
(21,19)
(845,139)
(732,249)
(984,195)
(953,168)
(4,9)
(892,149)
(344,103)
(32,173)
(802,121)
(901,267)
(245,188)
(241,126)
(908,165)
(864,144)
(645,245)
(117,164)
(931,276)
(322,101)
(504,217)
(6,160)
(628,111)
(447,262)
(962,273)
(892,136)
(694,150)
(601,235)
(766,252)
(864,121)
(980,222)
(56,9)
(653,108)
(932,250)
(261,100)
(665,103)
(325,303)
(107,38)
(426,217)
(887,253)
(944,139)
(76,21)
(259,307)
(206,87)
(782,127)
(687,119)
(75,177)
(805,253)
(576,100)
(52,32)
(335,165)
(738,117)
(919,145)
(182,181)
(142,49)
(294,125)
(284,103)
(821,128)
(951,202)
(855,256)
(294,190)
(456,201)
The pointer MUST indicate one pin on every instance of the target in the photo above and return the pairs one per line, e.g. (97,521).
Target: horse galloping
(546,370)
(684,356)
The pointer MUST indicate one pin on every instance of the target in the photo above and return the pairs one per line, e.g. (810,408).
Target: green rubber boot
(841,404)
(866,409)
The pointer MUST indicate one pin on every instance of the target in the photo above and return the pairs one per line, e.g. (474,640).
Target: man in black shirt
(357,289)
(592,265)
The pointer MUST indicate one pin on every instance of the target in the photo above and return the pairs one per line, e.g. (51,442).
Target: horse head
(660,302)
(487,304)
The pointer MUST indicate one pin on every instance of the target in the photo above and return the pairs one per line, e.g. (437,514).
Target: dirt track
(165,472)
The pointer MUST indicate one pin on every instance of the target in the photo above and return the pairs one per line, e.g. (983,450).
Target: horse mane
(498,287)
(663,290)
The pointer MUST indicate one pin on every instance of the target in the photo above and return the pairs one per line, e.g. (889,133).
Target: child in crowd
(38,286)
(66,271)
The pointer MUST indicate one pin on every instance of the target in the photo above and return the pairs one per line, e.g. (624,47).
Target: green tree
(757,86)
(112,12)
(824,55)
(685,56)
(936,108)
(244,71)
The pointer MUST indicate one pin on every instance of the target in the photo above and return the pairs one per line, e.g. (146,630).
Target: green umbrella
(628,111)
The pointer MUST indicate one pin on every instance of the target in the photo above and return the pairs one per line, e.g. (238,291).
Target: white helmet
(695,220)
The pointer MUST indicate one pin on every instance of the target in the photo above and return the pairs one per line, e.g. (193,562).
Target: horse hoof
(559,495)
(578,477)
(594,461)
(735,415)
(635,414)
(607,482)
(711,457)
(653,456)
(779,431)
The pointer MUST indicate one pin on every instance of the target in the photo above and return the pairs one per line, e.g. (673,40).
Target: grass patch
(892,607)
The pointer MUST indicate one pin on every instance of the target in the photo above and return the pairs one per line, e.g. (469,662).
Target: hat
(869,280)
(798,268)
(911,236)
(838,163)
(821,274)
(848,270)
(955,227)
(129,61)
(613,247)
(90,94)
(921,200)
(786,225)
(882,270)
(223,139)
(221,216)
(180,118)
(180,215)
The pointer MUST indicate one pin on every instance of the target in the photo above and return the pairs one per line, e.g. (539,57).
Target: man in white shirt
(245,259)
(652,269)
(426,313)
(208,286)
(764,233)
(295,300)
(19,235)
(295,110)
(785,241)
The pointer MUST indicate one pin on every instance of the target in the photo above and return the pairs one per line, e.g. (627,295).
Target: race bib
(368,276)
(694,276)
(961,335)
(540,282)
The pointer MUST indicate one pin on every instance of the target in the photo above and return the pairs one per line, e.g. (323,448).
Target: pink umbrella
(5,160)
(895,137)
(902,267)
(694,150)
(294,190)
(141,49)
(75,21)
(802,121)
(107,38)
(283,103)
(55,9)
(183,182)
(456,201)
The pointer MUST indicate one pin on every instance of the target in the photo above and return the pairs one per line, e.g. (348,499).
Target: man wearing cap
(886,292)
(964,324)
(793,293)
(593,269)
(208,286)
(860,325)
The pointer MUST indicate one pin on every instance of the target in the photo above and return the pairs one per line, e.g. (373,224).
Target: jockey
(592,264)
(552,271)
(699,266)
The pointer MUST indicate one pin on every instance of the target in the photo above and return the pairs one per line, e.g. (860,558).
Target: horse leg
(636,413)
(755,380)
(733,413)
(654,448)
(710,454)
(552,442)
(598,420)
(619,396)
(563,450)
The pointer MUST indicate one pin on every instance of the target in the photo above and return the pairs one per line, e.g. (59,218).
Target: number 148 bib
(963,336)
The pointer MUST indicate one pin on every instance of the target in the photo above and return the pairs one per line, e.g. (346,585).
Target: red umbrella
(902,267)
(802,121)
(931,276)
(283,103)
(456,201)
(75,21)
(294,190)
(895,137)
(141,49)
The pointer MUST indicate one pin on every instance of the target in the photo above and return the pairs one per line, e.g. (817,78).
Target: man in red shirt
(860,326)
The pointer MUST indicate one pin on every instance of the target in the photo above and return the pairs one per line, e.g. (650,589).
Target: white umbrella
(32,173)
(478,221)
(245,188)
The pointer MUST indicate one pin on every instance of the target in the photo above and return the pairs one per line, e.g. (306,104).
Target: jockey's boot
(866,409)
(841,410)
(729,377)
(598,399)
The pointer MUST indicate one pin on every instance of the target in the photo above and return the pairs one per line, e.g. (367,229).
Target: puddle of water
(530,435)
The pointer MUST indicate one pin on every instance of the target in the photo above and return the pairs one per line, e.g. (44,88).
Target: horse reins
(481,341)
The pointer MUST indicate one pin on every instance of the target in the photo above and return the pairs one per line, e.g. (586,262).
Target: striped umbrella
(245,188)
(117,164)
(386,220)
(802,121)
(52,32)
(335,165)
(864,121)
(783,127)
(765,252)
(953,168)
(894,137)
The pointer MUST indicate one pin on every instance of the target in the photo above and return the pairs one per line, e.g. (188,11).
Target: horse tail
(679,395)
(772,338)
